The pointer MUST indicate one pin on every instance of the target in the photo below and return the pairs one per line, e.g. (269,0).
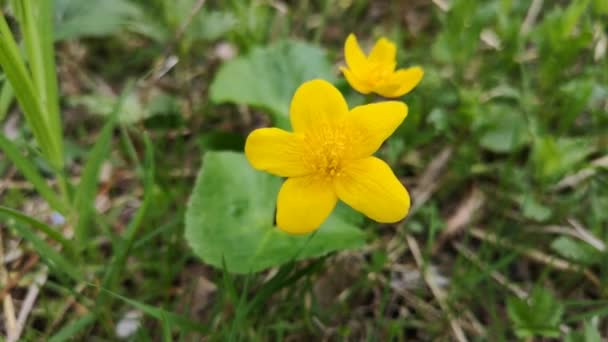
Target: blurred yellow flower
(376,73)
(328,156)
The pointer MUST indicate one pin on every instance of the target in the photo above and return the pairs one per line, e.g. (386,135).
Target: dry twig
(429,181)
(28,302)
(587,236)
(501,279)
(168,61)
(533,12)
(10,321)
(438,293)
(461,218)
(69,302)
(11,283)
(538,256)
(572,181)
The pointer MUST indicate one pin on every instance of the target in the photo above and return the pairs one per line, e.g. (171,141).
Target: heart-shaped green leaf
(229,221)
(267,77)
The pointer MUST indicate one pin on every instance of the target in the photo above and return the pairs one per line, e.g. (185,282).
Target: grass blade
(87,188)
(171,318)
(31,39)
(6,98)
(31,174)
(46,229)
(48,254)
(69,331)
(45,19)
(14,68)
(36,18)
(166,325)
(122,251)
(86,191)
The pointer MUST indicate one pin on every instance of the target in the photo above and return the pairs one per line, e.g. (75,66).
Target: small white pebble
(129,324)
(225,51)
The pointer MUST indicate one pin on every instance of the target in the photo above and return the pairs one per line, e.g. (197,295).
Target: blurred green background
(504,151)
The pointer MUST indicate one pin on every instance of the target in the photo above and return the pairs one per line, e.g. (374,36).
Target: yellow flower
(376,72)
(328,156)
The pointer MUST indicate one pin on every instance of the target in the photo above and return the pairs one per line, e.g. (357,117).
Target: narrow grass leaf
(50,256)
(46,29)
(601,312)
(69,332)
(124,247)
(31,39)
(30,172)
(166,325)
(6,98)
(171,318)
(87,188)
(18,75)
(40,226)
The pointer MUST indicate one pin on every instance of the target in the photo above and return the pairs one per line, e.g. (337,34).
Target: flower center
(378,72)
(327,146)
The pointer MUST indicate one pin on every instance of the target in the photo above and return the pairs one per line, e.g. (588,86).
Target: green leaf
(123,248)
(69,332)
(30,172)
(574,99)
(589,334)
(534,210)
(28,98)
(171,318)
(576,250)
(6,99)
(43,227)
(229,220)
(456,43)
(221,141)
(36,23)
(503,129)
(133,109)
(600,7)
(167,335)
(267,77)
(553,158)
(211,25)
(87,188)
(77,18)
(439,118)
(50,256)
(539,315)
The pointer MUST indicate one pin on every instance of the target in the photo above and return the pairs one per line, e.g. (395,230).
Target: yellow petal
(276,151)
(401,82)
(304,203)
(354,56)
(316,103)
(370,186)
(371,124)
(384,53)
(355,82)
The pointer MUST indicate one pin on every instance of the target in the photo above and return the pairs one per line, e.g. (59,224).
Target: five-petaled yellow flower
(376,73)
(328,156)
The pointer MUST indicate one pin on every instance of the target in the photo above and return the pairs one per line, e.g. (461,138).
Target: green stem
(370,98)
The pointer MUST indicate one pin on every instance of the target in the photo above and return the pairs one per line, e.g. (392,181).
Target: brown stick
(437,292)
(538,256)
(12,283)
